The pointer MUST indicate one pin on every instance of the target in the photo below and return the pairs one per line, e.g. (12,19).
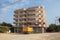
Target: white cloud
(24,0)
(5,11)
(3,4)
(12,1)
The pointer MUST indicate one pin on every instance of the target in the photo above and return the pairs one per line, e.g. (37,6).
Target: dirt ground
(40,36)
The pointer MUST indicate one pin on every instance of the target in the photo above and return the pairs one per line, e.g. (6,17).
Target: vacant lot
(41,36)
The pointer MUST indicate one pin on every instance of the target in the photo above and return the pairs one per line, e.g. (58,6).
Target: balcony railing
(15,18)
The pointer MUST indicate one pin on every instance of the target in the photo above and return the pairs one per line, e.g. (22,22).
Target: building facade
(34,17)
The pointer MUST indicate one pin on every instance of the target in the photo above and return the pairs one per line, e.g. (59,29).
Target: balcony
(22,21)
(15,22)
(15,14)
(15,18)
(32,21)
(23,17)
(31,25)
(31,17)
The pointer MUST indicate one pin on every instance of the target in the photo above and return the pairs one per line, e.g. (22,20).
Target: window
(20,24)
(24,19)
(21,15)
(39,22)
(32,23)
(37,18)
(20,19)
(40,18)
(41,7)
(31,18)
(36,14)
(25,23)
(30,10)
(24,15)
(36,23)
(43,22)
(41,11)
(29,23)
(15,12)
(31,14)
(16,20)
(40,14)
(15,15)
(21,11)
(25,11)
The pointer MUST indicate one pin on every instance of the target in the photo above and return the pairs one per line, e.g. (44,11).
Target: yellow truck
(27,30)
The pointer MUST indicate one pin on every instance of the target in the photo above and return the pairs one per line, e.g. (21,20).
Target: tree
(5,27)
(6,24)
(59,20)
(52,28)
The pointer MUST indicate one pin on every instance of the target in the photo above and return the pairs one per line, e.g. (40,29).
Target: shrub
(4,29)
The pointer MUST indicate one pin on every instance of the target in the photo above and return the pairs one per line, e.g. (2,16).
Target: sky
(7,8)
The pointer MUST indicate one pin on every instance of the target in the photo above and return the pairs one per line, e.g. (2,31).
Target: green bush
(4,29)
(52,28)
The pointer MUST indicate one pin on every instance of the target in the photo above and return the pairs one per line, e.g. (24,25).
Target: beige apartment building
(34,17)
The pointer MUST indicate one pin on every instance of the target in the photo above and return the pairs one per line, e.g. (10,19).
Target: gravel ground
(41,36)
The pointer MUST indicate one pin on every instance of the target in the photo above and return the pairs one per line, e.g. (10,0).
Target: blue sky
(7,8)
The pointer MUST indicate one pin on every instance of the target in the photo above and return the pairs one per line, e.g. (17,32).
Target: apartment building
(34,17)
